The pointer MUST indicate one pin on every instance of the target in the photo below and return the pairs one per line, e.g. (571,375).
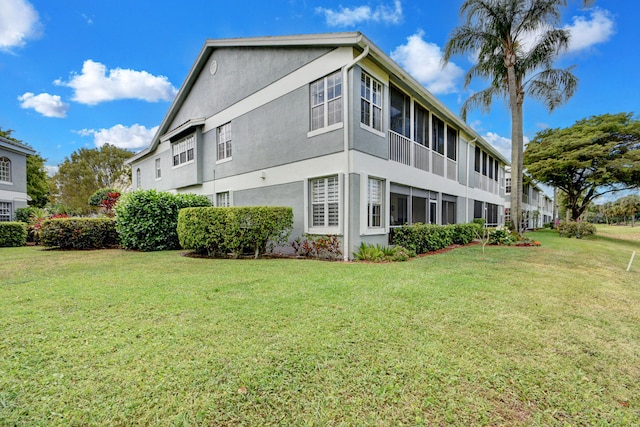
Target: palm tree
(498,32)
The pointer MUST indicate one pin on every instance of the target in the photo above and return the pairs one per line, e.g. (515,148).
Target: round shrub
(13,234)
(146,220)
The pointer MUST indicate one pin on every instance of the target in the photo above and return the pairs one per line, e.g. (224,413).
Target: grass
(624,232)
(528,336)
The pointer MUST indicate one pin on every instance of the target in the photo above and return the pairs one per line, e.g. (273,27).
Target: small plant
(501,236)
(323,247)
(13,234)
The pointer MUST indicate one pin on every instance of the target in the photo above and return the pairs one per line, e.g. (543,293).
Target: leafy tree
(37,185)
(497,32)
(88,170)
(629,206)
(595,156)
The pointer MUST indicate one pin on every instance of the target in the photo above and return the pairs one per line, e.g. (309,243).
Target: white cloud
(588,32)
(19,22)
(347,17)
(501,143)
(45,104)
(423,61)
(131,138)
(94,85)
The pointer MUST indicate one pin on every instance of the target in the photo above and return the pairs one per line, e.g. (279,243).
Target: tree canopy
(595,156)
(88,170)
(498,34)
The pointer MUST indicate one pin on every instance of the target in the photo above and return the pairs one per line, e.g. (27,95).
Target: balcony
(408,152)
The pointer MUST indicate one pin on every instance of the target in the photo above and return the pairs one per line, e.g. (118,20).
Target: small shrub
(379,253)
(23,214)
(463,234)
(147,220)
(423,238)
(501,236)
(13,234)
(235,230)
(575,229)
(79,233)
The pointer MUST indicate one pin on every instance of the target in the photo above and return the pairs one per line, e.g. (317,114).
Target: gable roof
(16,146)
(335,40)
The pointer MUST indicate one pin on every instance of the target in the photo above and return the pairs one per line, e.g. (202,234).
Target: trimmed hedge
(423,238)
(13,234)
(146,220)
(79,233)
(236,230)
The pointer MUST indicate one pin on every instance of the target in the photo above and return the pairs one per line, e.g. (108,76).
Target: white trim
(365,230)
(307,206)
(372,130)
(327,129)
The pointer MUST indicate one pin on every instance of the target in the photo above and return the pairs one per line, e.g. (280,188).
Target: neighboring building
(537,207)
(329,125)
(13,177)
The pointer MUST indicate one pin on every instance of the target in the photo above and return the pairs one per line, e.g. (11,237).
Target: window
(138,178)
(437,135)
(421,125)
(158,169)
(507,186)
(374,203)
(448,212)
(326,101)
(484,163)
(371,102)
(223,200)
(5,169)
(478,158)
(5,211)
(491,168)
(452,143)
(495,170)
(224,142)
(400,116)
(183,150)
(325,201)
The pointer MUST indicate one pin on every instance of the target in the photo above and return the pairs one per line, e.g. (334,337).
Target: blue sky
(78,73)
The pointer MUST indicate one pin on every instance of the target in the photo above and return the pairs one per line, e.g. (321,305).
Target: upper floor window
(325,201)
(400,115)
(371,102)
(478,159)
(184,150)
(507,186)
(452,143)
(158,169)
(437,135)
(224,142)
(326,101)
(5,169)
(421,125)
(138,178)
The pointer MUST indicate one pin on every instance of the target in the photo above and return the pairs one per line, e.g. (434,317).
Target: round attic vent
(213,67)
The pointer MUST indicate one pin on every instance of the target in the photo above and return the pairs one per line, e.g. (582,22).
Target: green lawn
(544,335)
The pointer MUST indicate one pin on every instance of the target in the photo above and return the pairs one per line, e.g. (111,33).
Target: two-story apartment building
(329,125)
(537,206)
(13,177)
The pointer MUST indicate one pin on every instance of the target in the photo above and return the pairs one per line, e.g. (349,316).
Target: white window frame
(224,199)
(5,170)
(365,207)
(223,146)
(371,94)
(6,211)
(183,151)
(158,170)
(375,198)
(309,226)
(325,103)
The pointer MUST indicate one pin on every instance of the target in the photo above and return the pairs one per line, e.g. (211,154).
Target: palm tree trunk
(515,105)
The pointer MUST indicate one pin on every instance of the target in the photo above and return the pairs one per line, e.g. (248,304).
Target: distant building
(13,177)
(329,125)
(537,207)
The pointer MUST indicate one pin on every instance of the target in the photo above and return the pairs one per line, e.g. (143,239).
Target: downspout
(346,128)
